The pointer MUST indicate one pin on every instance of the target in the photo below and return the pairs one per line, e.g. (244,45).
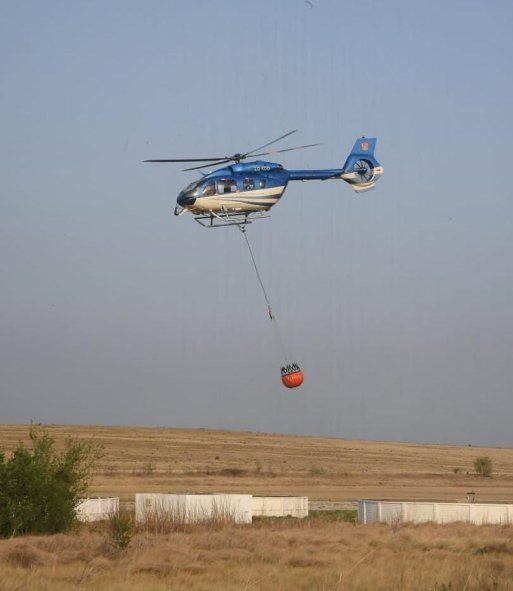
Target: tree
(483,466)
(40,488)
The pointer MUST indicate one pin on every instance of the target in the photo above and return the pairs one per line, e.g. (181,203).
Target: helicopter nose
(184,201)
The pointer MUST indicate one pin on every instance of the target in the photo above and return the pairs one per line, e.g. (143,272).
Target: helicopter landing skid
(218,220)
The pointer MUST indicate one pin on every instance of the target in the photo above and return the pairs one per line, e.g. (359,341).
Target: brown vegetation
(171,460)
(273,555)
(325,551)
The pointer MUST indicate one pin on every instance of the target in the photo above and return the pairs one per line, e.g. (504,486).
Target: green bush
(121,530)
(40,488)
(483,466)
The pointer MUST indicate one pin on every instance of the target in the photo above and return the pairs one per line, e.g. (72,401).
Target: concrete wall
(190,508)
(280,506)
(421,512)
(97,509)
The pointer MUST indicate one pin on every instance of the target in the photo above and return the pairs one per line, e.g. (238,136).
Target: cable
(272,317)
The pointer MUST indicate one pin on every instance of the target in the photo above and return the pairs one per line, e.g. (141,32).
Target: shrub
(483,466)
(40,488)
(121,530)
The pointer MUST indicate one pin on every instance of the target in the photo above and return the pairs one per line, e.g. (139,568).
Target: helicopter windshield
(191,190)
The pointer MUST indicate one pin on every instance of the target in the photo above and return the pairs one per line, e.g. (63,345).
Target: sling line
(272,317)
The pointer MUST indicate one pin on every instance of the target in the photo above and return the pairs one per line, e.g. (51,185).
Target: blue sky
(397,303)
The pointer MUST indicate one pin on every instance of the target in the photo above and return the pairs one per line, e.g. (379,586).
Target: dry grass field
(321,552)
(278,555)
(171,460)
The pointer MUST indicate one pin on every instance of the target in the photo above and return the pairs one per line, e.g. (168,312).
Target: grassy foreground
(171,460)
(320,552)
(311,554)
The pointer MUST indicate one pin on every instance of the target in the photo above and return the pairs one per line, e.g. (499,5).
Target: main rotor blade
(285,150)
(207,165)
(269,143)
(188,159)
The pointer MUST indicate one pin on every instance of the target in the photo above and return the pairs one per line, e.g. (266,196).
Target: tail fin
(364,146)
(361,169)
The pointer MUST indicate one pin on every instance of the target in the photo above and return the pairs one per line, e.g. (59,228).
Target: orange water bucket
(292,376)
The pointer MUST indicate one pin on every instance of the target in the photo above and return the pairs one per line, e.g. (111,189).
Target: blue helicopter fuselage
(250,186)
(246,187)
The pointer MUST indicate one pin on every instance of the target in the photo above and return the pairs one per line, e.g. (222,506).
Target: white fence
(421,512)
(280,506)
(190,508)
(97,509)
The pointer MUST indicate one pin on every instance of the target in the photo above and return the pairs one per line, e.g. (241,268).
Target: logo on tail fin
(364,146)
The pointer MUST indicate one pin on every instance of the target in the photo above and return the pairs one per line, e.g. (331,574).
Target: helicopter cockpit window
(191,190)
(209,189)
(248,184)
(227,186)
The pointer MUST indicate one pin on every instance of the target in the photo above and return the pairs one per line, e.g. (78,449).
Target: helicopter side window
(227,186)
(248,184)
(209,189)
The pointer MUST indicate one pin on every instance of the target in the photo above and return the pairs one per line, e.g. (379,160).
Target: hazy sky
(398,303)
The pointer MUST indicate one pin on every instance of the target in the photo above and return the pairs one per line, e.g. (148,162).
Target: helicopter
(244,191)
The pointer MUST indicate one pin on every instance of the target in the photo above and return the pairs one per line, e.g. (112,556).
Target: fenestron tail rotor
(237,157)
(364,170)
